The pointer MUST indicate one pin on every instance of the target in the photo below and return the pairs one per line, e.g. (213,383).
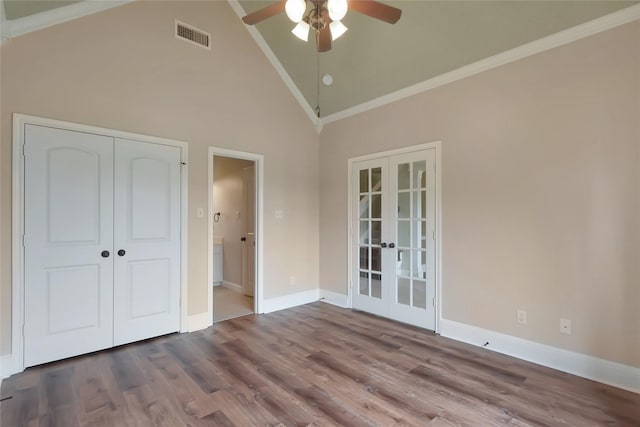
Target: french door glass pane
(376,179)
(404,205)
(419,174)
(418,267)
(364,232)
(376,259)
(404,291)
(364,180)
(376,232)
(376,206)
(364,206)
(403,176)
(404,229)
(376,285)
(419,293)
(364,283)
(419,204)
(403,263)
(364,258)
(419,239)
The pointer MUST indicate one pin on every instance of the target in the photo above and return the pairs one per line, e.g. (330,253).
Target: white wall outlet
(521,317)
(279,214)
(565,326)
(292,280)
(200,212)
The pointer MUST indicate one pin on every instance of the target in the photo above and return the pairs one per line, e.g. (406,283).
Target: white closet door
(412,212)
(147,241)
(68,225)
(370,279)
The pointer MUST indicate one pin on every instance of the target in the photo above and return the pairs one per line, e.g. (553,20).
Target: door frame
(258,218)
(17,220)
(437,145)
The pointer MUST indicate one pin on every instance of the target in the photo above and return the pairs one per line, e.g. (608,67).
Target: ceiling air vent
(193,35)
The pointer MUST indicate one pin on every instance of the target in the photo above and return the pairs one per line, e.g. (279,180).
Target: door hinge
(24,241)
(24,150)
(434,234)
(433,302)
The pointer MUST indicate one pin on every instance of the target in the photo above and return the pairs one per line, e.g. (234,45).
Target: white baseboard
(198,321)
(334,298)
(287,301)
(232,286)
(7,366)
(590,367)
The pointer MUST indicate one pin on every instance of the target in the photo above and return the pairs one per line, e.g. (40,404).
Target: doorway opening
(233,234)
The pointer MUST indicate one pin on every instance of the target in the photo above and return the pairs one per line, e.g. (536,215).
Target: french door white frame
(437,145)
(17,228)
(259,202)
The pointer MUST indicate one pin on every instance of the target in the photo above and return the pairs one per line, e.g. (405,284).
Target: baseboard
(7,366)
(590,367)
(232,286)
(334,298)
(198,321)
(287,301)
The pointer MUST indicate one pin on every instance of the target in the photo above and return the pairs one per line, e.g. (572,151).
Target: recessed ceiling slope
(374,59)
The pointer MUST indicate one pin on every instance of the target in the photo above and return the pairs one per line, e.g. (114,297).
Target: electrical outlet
(521,317)
(292,280)
(279,214)
(565,326)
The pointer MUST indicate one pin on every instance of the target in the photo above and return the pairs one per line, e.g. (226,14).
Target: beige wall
(541,175)
(124,69)
(229,199)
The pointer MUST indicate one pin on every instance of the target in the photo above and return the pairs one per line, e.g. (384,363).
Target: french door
(393,237)
(102,242)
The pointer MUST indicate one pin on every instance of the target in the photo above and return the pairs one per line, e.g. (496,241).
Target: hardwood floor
(312,365)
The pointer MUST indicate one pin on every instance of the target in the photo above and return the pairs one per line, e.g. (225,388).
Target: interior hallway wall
(124,69)
(541,192)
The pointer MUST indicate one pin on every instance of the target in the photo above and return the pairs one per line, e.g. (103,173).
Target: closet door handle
(383,245)
(121,252)
(392,245)
(105,254)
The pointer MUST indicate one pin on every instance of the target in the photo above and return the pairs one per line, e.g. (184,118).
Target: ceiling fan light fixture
(295,9)
(337,29)
(301,31)
(337,9)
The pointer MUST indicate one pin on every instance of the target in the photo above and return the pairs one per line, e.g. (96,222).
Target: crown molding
(286,78)
(39,21)
(606,22)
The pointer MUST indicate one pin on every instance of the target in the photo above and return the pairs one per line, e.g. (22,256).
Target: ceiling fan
(324,17)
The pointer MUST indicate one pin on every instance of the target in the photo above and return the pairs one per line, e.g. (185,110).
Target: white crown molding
(39,21)
(607,22)
(286,78)
(604,371)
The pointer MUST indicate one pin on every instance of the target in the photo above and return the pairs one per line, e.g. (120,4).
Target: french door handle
(384,245)
(105,254)
(392,245)
(121,252)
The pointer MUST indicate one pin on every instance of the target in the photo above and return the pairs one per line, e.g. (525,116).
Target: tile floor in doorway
(228,304)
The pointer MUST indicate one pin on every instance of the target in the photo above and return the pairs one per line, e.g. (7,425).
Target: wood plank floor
(312,365)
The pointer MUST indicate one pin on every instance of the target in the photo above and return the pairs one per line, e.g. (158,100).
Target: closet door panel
(147,240)
(68,243)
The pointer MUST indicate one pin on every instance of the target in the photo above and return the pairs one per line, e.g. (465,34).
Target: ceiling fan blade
(323,39)
(264,13)
(376,10)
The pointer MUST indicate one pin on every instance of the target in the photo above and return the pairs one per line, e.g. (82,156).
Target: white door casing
(147,240)
(249,248)
(68,225)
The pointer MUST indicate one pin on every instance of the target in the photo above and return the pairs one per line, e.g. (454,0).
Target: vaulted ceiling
(373,58)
